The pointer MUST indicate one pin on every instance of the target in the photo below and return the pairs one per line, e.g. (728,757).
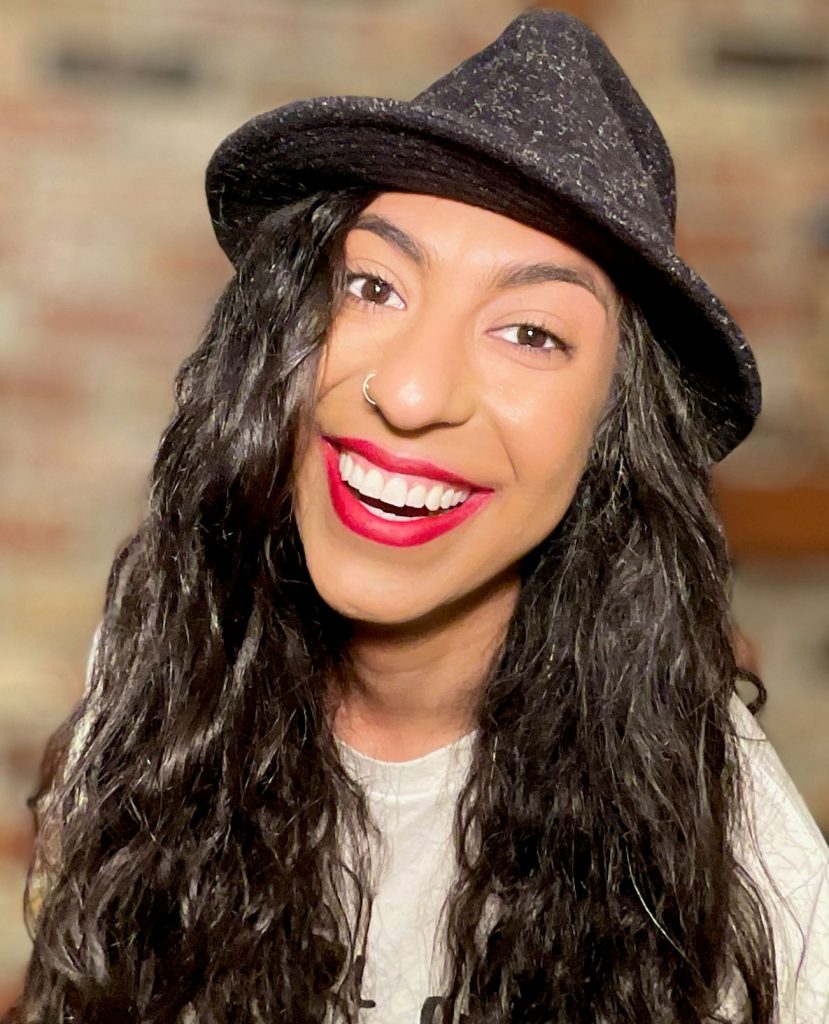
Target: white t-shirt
(413,804)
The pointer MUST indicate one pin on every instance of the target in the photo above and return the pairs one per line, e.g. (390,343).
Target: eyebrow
(510,276)
(394,236)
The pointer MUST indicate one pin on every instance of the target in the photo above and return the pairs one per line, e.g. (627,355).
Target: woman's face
(492,350)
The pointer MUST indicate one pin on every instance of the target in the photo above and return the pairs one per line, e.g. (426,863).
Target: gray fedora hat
(542,125)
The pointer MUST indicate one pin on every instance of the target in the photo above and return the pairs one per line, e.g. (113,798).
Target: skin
(454,386)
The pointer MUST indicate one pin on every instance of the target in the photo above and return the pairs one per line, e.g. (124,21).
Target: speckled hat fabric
(542,125)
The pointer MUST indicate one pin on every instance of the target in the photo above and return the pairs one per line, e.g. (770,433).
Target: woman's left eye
(369,288)
(534,338)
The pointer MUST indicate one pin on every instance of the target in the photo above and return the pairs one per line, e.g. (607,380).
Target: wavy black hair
(192,823)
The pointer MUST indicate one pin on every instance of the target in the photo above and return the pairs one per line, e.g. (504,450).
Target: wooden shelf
(776,523)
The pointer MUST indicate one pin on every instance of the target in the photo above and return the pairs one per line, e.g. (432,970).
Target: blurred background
(109,111)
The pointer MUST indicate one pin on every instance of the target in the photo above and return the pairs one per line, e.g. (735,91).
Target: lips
(405,466)
(355,514)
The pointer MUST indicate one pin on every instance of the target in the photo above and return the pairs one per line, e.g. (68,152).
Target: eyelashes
(378,289)
(375,291)
(532,332)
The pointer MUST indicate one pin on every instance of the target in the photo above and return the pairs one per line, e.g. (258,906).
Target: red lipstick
(404,466)
(397,533)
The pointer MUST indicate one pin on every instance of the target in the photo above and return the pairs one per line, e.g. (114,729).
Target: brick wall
(109,112)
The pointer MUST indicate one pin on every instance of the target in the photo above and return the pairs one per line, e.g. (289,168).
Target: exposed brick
(59,390)
(15,843)
(109,320)
(46,117)
(777,317)
(26,534)
(203,268)
(10,989)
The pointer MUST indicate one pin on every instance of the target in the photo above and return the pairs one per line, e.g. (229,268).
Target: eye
(533,338)
(369,288)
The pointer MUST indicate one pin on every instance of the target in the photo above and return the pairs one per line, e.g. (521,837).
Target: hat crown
(548,81)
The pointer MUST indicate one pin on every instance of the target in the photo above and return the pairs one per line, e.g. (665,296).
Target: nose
(425,376)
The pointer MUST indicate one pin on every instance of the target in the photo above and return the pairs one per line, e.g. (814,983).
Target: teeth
(416,496)
(372,485)
(393,490)
(394,493)
(433,498)
(383,514)
(355,477)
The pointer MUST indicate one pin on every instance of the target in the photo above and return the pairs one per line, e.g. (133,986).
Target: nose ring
(366,395)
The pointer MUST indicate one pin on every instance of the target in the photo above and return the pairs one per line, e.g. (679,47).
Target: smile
(401,492)
(397,508)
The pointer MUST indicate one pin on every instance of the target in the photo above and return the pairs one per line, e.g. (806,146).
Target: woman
(414,695)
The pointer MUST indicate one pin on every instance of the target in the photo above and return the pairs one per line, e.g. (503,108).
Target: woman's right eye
(369,288)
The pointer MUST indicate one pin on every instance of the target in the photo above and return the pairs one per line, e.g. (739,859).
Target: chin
(380,608)
(382,598)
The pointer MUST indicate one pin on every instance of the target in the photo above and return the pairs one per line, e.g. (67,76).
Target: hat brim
(391,145)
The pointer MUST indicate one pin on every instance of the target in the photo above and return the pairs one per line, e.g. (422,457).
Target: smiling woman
(414,699)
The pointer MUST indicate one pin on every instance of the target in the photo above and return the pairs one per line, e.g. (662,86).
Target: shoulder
(778,843)
(772,791)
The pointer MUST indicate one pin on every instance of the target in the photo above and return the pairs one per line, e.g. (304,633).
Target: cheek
(351,347)
(549,440)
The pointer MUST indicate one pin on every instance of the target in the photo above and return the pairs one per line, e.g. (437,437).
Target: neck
(417,685)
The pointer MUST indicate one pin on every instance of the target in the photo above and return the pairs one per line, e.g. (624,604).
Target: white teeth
(372,485)
(433,498)
(394,493)
(355,477)
(383,514)
(416,497)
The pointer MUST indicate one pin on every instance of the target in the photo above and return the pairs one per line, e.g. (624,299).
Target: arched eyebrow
(395,236)
(537,273)
(511,276)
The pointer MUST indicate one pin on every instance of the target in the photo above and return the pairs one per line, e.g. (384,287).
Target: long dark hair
(192,837)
